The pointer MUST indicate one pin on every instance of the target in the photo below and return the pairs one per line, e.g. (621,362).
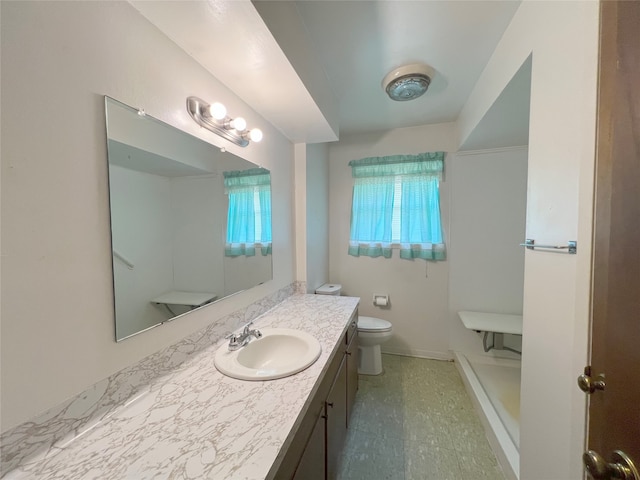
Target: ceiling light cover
(408,82)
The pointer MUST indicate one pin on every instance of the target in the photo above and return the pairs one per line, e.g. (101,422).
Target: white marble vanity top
(196,423)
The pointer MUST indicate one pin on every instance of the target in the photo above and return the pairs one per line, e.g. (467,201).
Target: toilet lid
(372,324)
(329,289)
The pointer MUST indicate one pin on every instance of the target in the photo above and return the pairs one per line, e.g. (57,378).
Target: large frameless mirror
(190,225)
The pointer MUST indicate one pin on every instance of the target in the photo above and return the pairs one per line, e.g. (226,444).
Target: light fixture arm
(199,111)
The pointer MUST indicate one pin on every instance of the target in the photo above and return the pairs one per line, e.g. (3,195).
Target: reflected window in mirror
(249,212)
(168,222)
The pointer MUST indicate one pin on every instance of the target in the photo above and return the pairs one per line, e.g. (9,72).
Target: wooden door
(614,412)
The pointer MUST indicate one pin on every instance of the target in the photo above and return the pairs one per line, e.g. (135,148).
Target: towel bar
(571,247)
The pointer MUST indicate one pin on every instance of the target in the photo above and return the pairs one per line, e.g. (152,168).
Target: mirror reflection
(190,224)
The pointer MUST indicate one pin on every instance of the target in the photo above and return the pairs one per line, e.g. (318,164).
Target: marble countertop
(196,423)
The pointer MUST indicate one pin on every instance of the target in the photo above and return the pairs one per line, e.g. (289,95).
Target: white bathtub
(494,386)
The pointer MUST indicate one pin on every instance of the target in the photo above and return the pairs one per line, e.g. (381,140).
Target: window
(249,212)
(396,203)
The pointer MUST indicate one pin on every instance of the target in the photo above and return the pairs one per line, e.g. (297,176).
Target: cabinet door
(312,462)
(352,374)
(336,421)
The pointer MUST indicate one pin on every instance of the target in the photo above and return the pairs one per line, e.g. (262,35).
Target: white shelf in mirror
(188,299)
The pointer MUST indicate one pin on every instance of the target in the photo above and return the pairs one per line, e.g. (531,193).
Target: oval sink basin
(280,352)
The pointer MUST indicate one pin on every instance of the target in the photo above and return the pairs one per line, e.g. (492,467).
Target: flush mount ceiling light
(214,117)
(408,82)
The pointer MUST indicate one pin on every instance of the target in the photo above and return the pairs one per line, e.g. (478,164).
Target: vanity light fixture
(214,117)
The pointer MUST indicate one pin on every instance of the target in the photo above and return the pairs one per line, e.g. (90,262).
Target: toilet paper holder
(381,300)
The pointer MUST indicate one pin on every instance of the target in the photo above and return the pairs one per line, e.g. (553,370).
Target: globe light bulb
(240,124)
(217,111)
(255,135)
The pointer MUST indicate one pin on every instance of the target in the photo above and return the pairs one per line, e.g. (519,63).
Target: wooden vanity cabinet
(312,463)
(314,451)
(336,421)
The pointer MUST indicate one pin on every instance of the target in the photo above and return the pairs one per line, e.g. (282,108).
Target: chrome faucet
(240,340)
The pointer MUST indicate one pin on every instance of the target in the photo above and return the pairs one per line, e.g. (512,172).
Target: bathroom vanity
(316,445)
(196,423)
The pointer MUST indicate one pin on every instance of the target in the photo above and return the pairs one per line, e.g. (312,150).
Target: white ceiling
(314,68)
(230,40)
(359,42)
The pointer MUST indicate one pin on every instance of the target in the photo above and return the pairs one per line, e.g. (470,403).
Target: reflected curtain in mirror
(249,212)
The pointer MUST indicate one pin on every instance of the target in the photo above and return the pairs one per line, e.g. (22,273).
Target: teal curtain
(242,187)
(400,194)
(420,226)
(371,217)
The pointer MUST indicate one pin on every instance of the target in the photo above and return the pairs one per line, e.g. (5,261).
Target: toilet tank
(329,289)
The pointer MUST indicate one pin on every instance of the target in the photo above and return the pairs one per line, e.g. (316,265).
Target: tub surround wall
(57,292)
(51,433)
(195,243)
(151,240)
(488,209)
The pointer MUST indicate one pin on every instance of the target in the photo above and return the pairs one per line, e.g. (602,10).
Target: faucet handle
(233,341)
(245,330)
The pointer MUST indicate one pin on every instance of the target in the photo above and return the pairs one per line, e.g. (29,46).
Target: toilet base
(369,360)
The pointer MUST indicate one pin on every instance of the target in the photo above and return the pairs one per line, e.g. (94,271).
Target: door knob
(588,384)
(621,467)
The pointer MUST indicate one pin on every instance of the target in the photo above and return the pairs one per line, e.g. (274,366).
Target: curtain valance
(429,163)
(247,178)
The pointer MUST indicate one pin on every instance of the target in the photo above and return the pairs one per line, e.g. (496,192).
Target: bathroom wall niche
(169,221)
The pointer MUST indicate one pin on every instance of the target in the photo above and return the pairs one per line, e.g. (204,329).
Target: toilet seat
(373,325)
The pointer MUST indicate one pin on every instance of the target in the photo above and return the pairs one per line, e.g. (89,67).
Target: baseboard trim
(414,352)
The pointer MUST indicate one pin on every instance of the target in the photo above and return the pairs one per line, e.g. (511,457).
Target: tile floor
(416,422)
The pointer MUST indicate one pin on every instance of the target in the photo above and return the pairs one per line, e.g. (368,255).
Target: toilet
(372,332)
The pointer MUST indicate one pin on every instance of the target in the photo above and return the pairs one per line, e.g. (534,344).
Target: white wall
(317,198)
(418,290)
(488,192)
(563,38)
(57,295)
(300,208)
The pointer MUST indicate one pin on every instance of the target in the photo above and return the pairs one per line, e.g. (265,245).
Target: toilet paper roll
(381,300)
